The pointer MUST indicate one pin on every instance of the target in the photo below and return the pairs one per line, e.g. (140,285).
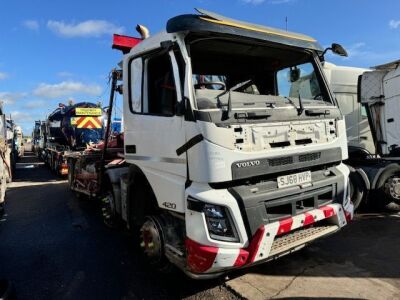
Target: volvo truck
(233,145)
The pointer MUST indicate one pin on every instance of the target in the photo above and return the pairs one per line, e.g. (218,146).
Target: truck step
(300,237)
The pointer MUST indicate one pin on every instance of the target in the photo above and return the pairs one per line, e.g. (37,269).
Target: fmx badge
(88,111)
(88,122)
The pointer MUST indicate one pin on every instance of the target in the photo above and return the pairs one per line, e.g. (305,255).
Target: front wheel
(152,243)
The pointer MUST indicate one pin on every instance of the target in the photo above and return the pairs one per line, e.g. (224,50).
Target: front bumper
(270,241)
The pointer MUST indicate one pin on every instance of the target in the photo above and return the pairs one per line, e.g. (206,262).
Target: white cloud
(3,75)
(35,104)
(394,24)
(64,74)
(89,28)
(66,89)
(10,97)
(21,117)
(31,25)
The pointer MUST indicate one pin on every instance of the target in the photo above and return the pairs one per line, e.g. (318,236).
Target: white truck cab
(369,100)
(233,145)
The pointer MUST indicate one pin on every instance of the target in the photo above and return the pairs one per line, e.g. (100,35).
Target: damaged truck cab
(233,145)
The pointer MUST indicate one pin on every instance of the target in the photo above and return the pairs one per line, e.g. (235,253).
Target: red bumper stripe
(309,219)
(242,258)
(285,226)
(200,258)
(255,243)
(328,211)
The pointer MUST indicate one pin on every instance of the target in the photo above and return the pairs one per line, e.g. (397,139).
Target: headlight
(219,221)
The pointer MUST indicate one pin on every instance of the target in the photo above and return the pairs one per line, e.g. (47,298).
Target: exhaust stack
(143,31)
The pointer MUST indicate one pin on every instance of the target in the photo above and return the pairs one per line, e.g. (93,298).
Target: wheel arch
(382,171)
(141,199)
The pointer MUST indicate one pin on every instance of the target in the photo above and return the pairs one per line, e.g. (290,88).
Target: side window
(160,86)
(136,70)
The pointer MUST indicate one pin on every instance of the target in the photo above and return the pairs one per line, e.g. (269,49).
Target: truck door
(391,118)
(153,131)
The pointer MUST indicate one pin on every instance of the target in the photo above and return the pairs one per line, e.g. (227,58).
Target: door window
(136,69)
(160,87)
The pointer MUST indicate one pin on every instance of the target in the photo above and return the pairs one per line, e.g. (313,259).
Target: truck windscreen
(254,75)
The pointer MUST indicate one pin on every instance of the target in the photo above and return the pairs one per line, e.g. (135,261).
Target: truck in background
(367,98)
(221,169)
(5,161)
(36,137)
(70,128)
(18,143)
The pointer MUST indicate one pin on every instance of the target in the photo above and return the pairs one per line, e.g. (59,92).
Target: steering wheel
(318,97)
(210,83)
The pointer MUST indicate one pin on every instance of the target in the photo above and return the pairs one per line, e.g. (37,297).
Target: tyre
(388,186)
(152,243)
(357,188)
(109,213)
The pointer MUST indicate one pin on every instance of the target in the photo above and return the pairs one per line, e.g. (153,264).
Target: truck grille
(309,156)
(281,161)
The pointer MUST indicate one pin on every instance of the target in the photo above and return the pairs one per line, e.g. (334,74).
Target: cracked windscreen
(254,76)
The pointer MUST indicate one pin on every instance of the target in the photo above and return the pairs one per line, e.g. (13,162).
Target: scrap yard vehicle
(343,82)
(10,155)
(36,137)
(70,128)
(368,98)
(18,142)
(5,167)
(233,146)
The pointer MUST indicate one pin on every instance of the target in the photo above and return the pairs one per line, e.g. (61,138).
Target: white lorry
(233,146)
(369,99)
(5,162)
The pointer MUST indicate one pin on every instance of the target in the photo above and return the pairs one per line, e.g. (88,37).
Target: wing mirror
(336,49)
(294,74)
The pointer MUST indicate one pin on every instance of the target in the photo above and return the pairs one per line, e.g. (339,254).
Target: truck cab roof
(212,23)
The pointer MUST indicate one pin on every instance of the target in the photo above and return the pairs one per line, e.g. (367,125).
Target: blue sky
(52,50)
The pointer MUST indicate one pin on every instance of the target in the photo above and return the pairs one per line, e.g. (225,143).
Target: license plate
(294,179)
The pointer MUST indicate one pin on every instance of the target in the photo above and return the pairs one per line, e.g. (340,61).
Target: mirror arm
(326,50)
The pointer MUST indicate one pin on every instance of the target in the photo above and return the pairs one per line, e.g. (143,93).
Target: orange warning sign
(88,122)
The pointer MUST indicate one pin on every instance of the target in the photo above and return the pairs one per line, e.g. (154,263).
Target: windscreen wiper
(228,110)
(299,108)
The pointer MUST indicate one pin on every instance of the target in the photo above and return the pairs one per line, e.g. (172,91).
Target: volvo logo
(246,164)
